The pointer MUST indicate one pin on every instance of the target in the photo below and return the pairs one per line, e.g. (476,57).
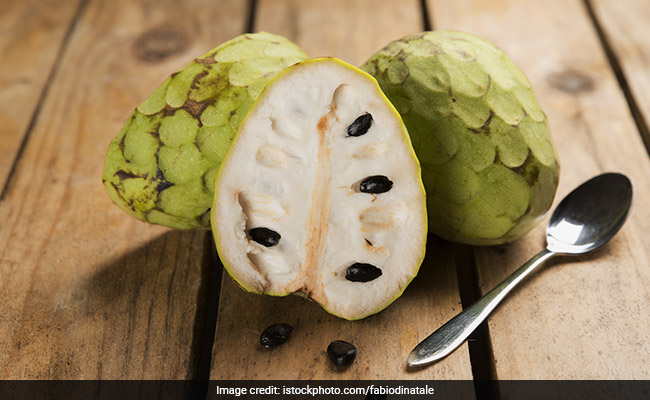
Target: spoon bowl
(584,221)
(590,215)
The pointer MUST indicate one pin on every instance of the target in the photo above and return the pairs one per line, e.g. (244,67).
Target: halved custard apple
(162,165)
(321,193)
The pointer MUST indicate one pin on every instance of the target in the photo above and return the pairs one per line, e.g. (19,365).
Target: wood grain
(626,28)
(344,29)
(581,318)
(349,30)
(32,35)
(87,291)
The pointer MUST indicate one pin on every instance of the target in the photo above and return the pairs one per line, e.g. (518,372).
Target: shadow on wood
(146,308)
(383,340)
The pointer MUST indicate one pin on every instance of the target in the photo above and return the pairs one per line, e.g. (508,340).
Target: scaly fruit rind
(488,161)
(161,166)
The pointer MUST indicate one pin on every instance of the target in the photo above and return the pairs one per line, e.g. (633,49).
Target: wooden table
(87,292)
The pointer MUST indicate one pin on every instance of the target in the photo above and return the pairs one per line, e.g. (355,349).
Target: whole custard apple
(488,161)
(162,165)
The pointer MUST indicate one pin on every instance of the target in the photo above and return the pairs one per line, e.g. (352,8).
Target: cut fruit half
(321,193)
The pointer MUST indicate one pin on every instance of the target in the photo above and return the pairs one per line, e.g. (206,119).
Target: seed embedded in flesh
(360,125)
(341,353)
(376,184)
(264,236)
(275,335)
(361,272)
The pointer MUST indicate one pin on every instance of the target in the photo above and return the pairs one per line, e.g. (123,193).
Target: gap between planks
(205,325)
(426,20)
(615,64)
(210,290)
(479,343)
(46,87)
(205,322)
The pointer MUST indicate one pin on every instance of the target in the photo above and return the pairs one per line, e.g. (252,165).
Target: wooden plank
(349,30)
(32,35)
(582,318)
(87,291)
(627,31)
(353,31)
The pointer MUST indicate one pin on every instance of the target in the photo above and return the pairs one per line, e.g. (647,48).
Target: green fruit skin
(161,166)
(488,162)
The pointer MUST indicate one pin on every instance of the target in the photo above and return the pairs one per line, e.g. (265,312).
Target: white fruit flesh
(294,169)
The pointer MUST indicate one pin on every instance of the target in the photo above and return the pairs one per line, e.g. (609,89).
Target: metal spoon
(584,221)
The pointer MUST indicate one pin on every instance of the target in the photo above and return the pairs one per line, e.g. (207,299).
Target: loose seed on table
(275,335)
(341,353)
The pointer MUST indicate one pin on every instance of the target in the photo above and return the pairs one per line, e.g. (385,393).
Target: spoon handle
(453,333)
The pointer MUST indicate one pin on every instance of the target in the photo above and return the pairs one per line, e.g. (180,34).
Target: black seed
(341,353)
(360,125)
(275,335)
(264,236)
(360,272)
(376,184)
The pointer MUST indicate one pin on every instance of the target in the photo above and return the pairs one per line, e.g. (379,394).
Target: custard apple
(321,193)
(488,161)
(161,166)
